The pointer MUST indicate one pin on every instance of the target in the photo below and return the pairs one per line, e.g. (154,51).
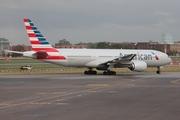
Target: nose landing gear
(158,70)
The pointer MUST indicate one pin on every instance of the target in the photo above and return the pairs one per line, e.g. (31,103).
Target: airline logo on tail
(39,43)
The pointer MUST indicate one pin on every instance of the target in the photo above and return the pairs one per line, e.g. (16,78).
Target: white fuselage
(94,57)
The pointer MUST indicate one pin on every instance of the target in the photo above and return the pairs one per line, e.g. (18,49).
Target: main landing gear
(90,72)
(109,72)
(93,72)
(158,70)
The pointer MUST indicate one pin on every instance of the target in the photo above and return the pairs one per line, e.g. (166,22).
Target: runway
(125,96)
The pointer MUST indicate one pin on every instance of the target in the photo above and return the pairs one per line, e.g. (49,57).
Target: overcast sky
(91,20)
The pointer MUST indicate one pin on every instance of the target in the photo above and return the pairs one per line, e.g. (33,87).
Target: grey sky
(91,20)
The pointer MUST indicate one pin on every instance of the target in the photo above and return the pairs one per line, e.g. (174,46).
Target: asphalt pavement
(125,96)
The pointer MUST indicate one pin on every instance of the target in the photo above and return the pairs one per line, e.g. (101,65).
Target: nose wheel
(158,70)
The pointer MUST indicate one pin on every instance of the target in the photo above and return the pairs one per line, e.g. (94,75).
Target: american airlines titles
(139,56)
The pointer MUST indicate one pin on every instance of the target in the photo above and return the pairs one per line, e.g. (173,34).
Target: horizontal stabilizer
(10,51)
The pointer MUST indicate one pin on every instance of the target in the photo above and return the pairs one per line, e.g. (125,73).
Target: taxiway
(126,96)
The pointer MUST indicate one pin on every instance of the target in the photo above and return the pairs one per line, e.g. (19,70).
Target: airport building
(21,47)
(4,45)
(153,46)
(175,47)
(168,38)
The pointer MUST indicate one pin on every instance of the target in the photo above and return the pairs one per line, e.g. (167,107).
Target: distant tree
(64,42)
(102,45)
(122,46)
(173,53)
(89,45)
(80,43)
(92,45)
(116,46)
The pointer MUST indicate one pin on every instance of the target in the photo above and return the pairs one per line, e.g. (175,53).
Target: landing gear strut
(90,72)
(158,70)
(108,72)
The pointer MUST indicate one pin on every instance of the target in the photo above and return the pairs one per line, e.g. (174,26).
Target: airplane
(100,59)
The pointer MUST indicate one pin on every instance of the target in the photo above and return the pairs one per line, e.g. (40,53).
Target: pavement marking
(47,98)
(41,93)
(112,91)
(176,81)
(36,103)
(95,85)
(126,84)
(62,103)
(46,103)
(40,103)
(58,92)
(3,104)
(93,91)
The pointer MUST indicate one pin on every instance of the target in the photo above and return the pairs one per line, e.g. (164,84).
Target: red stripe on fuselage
(45,49)
(51,57)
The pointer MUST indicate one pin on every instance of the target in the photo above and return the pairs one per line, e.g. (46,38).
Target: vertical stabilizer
(37,40)
(40,45)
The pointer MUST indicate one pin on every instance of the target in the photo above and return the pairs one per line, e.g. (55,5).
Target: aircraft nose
(166,58)
(170,60)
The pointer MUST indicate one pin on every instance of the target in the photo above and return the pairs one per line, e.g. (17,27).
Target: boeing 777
(101,59)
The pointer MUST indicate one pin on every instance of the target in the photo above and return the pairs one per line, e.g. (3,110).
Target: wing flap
(125,59)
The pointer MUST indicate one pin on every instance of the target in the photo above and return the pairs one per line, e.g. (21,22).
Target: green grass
(19,61)
(16,63)
(175,58)
(12,67)
(33,65)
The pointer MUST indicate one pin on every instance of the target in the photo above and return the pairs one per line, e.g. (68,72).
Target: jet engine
(138,66)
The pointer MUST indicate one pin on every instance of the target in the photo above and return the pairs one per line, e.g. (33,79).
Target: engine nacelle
(138,66)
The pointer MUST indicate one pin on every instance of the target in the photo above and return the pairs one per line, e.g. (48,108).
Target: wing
(106,62)
(121,61)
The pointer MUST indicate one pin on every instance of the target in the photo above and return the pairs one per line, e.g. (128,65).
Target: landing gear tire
(90,72)
(109,73)
(158,70)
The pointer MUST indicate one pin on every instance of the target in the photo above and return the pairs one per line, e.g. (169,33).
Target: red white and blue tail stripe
(39,43)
